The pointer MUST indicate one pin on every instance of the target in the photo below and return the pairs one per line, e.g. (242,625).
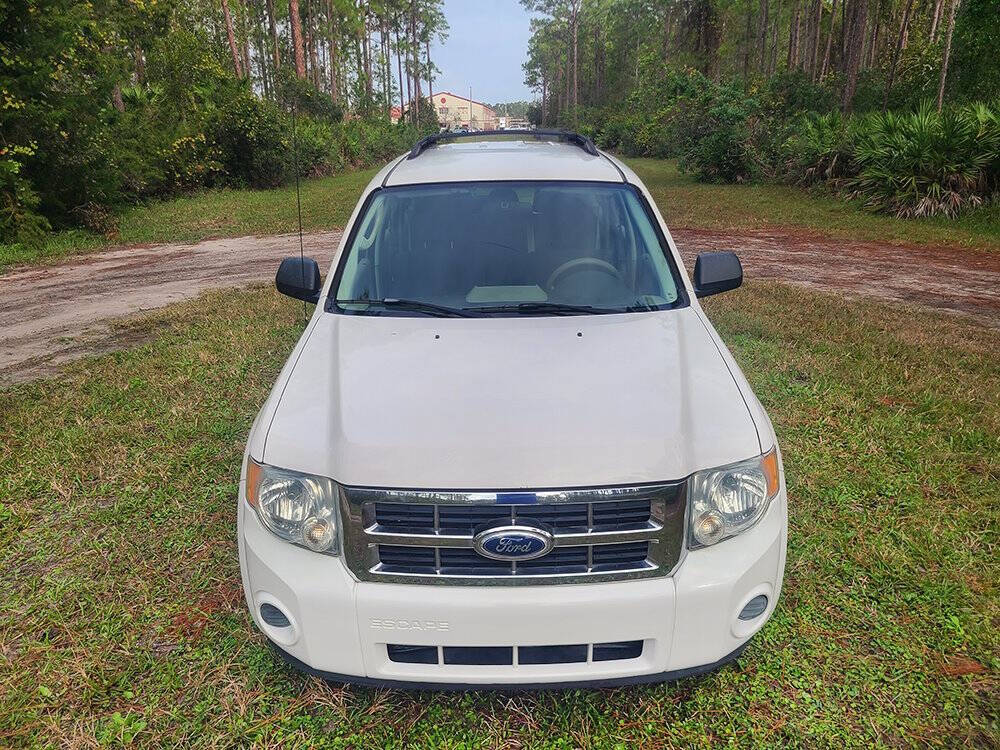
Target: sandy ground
(52,314)
(945,278)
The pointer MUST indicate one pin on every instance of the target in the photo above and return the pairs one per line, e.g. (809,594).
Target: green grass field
(122,614)
(327,204)
(685,202)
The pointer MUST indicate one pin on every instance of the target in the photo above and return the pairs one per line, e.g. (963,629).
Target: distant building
(456,111)
(395,113)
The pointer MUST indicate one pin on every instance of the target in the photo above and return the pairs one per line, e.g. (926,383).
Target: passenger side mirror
(299,278)
(716,272)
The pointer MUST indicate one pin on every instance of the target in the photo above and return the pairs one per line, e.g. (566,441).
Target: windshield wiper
(415,305)
(554,308)
(640,307)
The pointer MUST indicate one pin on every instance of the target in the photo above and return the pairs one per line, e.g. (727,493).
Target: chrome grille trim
(651,532)
(664,531)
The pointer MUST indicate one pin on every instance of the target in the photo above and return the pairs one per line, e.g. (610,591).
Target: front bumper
(688,623)
(612,682)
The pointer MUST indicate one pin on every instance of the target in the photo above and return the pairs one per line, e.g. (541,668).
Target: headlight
(299,508)
(731,499)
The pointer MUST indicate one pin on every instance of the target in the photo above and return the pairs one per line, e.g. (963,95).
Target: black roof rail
(564,135)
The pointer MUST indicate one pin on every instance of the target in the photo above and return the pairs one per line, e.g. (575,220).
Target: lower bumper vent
(504,655)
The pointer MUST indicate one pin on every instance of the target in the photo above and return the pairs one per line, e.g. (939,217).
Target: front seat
(498,242)
(565,228)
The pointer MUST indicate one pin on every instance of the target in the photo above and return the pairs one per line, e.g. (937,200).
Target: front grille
(505,655)
(427,537)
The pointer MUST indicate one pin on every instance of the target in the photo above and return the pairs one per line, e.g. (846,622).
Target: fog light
(273,616)
(317,534)
(754,608)
(709,528)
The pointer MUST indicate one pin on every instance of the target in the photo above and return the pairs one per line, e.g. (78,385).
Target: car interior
(488,244)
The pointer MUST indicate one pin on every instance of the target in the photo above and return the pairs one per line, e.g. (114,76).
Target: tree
(295,21)
(900,41)
(947,53)
(829,42)
(231,37)
(854,42)
(273,29)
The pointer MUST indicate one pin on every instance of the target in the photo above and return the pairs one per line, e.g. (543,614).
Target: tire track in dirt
(52,314)
(946,278)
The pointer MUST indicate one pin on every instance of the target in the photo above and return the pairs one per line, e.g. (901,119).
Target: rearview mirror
(716,272)
(299,278)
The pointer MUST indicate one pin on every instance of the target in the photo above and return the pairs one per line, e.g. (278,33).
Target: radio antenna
(298,200)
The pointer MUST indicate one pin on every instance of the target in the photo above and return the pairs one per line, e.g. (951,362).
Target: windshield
(497,248)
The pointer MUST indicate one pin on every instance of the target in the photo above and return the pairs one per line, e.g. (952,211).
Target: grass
(690,204)
(327,203)
(123,621)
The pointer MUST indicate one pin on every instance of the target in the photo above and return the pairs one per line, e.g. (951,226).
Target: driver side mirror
(299,278)
(716,272)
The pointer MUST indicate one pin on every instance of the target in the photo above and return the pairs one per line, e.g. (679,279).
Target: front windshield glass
(498,248)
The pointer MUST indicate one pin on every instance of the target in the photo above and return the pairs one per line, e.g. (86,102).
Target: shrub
(645,125)
(306,98)
(316,150)
(365,143)
(721,135)
(253,141)
(20,222)
(927,163)
(787,94)
(974,72)
(187,163)
(635,134)
(819,149)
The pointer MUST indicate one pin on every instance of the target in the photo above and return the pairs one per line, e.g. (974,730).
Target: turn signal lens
(709,528)
(318,534)
(730,499)
(254,471)
(770,466)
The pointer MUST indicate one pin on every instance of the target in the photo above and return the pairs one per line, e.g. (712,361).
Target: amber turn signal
(769,463)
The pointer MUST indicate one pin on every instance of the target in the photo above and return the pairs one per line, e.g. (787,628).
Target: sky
(486,44)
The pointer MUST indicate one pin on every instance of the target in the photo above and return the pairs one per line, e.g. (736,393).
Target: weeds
(123,621)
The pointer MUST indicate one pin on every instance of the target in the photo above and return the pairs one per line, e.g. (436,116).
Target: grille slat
(562,518)
(467,562)
(464,561)
(559,517)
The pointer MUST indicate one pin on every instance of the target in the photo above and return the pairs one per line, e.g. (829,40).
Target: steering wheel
(579,264)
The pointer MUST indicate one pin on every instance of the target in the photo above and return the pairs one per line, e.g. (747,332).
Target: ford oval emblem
(513,543)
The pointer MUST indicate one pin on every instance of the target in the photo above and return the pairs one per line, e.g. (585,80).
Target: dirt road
(53,314)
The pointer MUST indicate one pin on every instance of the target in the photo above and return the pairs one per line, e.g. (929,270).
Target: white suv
(509,448)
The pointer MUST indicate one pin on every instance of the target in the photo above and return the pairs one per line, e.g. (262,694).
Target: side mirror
(299,278)
(716,272)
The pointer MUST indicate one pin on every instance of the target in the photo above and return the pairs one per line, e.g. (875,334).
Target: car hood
(504,403)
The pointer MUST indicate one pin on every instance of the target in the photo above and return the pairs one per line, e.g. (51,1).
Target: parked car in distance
(509,448)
